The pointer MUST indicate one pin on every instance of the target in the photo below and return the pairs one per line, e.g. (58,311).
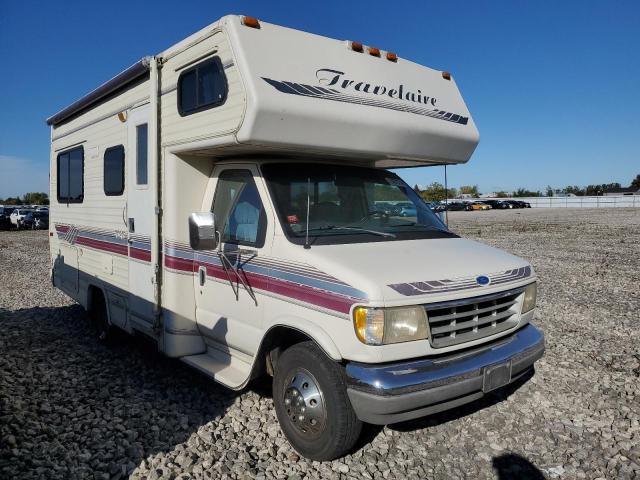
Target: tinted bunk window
(114,171)
(202,87)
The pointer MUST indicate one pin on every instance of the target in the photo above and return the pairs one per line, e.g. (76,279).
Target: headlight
(530,294)
(381,326)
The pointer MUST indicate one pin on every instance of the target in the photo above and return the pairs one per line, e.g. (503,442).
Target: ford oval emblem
(483,280)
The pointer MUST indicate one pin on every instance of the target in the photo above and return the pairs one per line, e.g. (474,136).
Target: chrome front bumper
(390,393)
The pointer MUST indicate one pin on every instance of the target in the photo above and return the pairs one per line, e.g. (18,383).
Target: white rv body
(290,97)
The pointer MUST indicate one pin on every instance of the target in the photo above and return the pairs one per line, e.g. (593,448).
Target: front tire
(312,405)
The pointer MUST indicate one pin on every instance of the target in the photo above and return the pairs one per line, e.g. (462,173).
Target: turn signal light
(357,47)
(374,51)
(392,57)
(251,22)
(446,75)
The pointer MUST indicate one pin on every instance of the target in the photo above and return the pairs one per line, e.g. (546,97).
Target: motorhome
(228,199)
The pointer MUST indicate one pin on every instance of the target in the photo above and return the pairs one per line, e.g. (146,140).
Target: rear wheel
(312,405)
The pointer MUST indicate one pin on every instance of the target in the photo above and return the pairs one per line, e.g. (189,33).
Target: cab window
(240,215)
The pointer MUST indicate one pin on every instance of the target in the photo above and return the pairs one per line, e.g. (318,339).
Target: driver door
(229,308)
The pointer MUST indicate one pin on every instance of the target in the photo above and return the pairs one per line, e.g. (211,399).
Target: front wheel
(312,405)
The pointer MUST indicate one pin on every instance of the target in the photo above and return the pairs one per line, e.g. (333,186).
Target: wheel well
(96,299)
(276,341)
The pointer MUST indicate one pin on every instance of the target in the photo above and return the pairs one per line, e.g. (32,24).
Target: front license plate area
(496,376)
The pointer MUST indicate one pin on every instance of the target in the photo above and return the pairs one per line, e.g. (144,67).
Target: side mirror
(202,231)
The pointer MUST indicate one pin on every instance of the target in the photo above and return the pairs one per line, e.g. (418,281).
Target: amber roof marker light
(250,22)
(357,47)
(373,51)
(392,57)
(446,75)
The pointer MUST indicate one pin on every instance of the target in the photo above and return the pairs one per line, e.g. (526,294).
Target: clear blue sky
(554,87)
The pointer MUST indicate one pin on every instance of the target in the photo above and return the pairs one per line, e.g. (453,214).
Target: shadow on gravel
(511,466)
(71,406)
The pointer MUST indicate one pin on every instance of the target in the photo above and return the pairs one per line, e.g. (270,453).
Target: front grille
(459,321)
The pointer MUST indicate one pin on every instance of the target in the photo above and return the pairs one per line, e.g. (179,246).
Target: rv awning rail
(126,76)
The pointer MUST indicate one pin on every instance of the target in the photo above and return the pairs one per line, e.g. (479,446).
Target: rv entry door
(139,217)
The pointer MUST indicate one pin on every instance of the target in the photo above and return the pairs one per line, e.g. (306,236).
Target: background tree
(523,192)
(36,198)
(549,191)
(635,183)
(575,189)
(434,192)
(12,201)
(502,194)
(469,190)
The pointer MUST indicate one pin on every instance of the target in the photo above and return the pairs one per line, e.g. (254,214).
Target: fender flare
(306,328)
(311,330)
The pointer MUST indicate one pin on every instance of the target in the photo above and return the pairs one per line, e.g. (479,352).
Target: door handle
(202,274)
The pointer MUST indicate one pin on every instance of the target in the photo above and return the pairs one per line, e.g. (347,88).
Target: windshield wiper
(355,229)
(414,224)
(364,230)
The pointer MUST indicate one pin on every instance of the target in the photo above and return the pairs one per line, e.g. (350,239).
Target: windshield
(348,205)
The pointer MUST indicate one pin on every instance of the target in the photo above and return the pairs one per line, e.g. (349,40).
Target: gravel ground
(73,408)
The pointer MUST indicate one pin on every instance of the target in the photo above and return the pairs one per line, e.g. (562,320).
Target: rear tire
(312,405)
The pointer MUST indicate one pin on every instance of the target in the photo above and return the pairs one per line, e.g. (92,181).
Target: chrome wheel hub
(304,403)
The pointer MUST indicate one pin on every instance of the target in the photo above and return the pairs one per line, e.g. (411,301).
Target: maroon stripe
(100,245)
(140,254)
(177,263)
(62,228)
(304,293)
(314,296)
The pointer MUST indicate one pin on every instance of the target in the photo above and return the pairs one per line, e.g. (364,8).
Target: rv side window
(71,176)
(202,87)
(114,171)
(239,212)
(141,154)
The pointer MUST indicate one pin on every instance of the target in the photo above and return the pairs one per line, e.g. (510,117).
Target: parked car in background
(5,220)
(387,208)
(457,206)
(496,204)
(513,203)
(42,209)
(36,220)
(17,216)
(436,206)
(407,210)
(479,206)
(523,204)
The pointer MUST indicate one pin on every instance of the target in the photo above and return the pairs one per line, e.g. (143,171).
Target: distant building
(621,191)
